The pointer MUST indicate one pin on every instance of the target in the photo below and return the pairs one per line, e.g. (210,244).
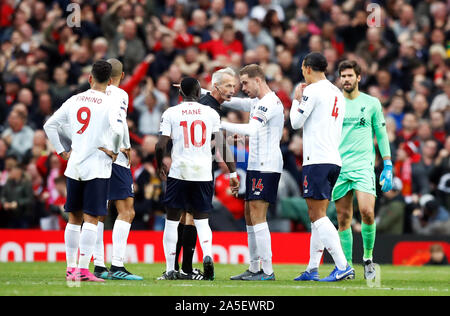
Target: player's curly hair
(101,71)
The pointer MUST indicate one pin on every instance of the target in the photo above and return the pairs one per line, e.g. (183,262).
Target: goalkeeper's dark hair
(349,64)
(101,71)
(316,61)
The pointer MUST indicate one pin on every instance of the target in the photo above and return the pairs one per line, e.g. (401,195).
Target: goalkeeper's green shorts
(362,180)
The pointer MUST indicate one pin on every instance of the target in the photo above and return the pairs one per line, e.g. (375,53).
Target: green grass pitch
(47,279)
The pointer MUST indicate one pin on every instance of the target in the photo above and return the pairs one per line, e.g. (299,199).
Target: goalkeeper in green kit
(363,120)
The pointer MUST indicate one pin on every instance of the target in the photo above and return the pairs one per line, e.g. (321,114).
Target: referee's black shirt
(209,100)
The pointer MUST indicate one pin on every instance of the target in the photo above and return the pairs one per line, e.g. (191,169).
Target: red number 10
(193,141)
(84,121)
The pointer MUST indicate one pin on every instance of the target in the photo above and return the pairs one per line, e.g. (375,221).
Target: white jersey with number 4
(190,125)
(91,119)
(122,97)
(322,112)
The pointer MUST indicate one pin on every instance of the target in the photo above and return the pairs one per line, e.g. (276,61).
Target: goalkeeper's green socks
(346,238)
(368,233)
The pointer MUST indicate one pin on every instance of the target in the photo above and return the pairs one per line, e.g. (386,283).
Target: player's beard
(349,89)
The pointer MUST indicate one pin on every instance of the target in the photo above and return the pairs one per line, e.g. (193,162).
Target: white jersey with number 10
(190,125)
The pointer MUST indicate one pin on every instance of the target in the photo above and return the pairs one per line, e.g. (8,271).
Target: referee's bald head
(117,67)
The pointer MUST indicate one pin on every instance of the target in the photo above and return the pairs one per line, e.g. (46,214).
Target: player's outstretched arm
(241,104)
(250,129)
(379,127)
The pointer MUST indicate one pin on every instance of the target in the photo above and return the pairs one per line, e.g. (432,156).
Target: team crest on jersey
(305,98)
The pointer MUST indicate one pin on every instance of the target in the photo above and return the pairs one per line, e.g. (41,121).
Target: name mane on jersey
(84,98)
(191,112)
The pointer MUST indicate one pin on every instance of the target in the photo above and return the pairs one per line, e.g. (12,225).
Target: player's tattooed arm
(228,158)
(161,152)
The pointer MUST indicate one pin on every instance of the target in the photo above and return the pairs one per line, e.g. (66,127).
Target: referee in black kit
(223,88)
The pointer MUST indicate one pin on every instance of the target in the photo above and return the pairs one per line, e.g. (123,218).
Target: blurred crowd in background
(48,47)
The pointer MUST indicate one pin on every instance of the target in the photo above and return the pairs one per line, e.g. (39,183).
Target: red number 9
(84,121)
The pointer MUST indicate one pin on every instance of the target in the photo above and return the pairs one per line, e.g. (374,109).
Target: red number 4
(84,121)
(335,113)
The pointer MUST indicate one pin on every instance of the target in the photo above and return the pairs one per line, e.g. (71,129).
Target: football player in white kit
(120,193)
(190,125)
(96,130)
(319,107)
(265,166)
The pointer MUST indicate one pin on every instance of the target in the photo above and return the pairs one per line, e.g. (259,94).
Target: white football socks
(330,238)
(72,241)
(120,233)
(170,238)
(99,251)
(264,246)
(252,249)
(315,250)
(88,237)
(204,234)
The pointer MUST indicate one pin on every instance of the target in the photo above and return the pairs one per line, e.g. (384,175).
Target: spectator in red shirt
(226,45)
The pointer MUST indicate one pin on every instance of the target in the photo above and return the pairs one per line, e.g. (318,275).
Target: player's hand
(234,186)
(163,172)
(386,176)
(65,155)
(127,153)
(299,91)
(109,153)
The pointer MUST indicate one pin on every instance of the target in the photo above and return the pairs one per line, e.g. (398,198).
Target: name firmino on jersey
(89,99)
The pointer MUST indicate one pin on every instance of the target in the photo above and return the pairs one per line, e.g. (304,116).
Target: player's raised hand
(298,94)
(109,153)
(386,176)
(162,172)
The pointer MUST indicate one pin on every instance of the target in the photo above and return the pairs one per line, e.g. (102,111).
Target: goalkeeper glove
(386,176)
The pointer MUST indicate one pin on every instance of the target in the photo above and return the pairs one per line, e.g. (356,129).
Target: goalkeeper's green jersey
(363,119)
